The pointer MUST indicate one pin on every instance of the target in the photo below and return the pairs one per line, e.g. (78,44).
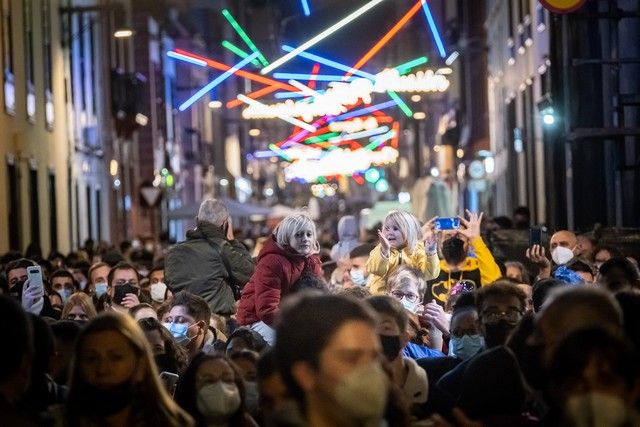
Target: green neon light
(403,68)
(241,53)
(243,35)
(320,138)
(404,107)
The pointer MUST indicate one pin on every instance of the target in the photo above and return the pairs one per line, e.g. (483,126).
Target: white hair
(404,277)
(408,225)
(290,225)
(213,211)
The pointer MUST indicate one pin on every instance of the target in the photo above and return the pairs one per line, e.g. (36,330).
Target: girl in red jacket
(291,251)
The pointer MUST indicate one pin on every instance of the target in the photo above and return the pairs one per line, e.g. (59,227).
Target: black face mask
(453,250)
(496,333)
(390,346)
(16,290)
(120,291)
(166,363)
(98,402)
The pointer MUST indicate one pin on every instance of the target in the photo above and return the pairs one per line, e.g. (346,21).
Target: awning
(236,210)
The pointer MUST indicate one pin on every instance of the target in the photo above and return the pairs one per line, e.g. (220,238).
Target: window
(34,206)
(14,207)
(28,59)
(7,58)
(49,114)
(53,213)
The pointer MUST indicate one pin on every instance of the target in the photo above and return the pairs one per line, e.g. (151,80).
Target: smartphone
(119,292)
(536,235)
(34,273)
(452,223)
(170,380)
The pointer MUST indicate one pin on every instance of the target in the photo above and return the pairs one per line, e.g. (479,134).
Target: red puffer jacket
(276,272)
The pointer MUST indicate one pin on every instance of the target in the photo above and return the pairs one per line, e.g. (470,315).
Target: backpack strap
(216,248)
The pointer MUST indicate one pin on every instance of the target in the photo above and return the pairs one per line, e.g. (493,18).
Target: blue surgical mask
(357,277)
(466,347)
(65,294)
(179,332)
(410,306)
(101,289)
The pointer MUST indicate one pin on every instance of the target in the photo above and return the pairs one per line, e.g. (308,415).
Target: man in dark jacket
(210,263)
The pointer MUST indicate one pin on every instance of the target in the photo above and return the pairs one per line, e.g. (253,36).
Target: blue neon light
(330,63)
(317,77)
(363,111)
(434,28)
(362,134)
(186,58)
(222,77)
(305,7)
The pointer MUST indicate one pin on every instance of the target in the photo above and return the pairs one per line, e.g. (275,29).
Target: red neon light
(358,179)
(314,72)
(385,39)
(396,129)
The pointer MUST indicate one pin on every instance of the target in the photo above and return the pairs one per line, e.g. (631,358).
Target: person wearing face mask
(593,380)
(466,338)
(563,246)
(245,362)
(79,308)
(114,381)
(168,355)
(64,284)
(212,392)
(393,323)
(188,321)
(457,266)
(158,289)
(291,252)
(356,273)
(124,286)
(98,280)
(34,300)
(328,353)
(500,307)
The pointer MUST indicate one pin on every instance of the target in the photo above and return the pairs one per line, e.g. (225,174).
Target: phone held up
(451,223)
(34,273)
(536,235)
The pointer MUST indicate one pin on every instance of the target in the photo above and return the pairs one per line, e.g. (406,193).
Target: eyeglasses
(411,297)
(493,316)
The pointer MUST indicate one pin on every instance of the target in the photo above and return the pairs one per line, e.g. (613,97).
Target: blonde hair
(288,227)
(408,225)
(84,301)
(153,405)
(405,276)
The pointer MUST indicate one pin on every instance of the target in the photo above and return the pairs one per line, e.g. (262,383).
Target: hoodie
(347,238)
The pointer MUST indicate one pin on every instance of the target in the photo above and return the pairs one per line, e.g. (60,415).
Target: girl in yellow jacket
(402,242)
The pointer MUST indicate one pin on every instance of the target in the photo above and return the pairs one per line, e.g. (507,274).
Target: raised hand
(537,256)
(471,228)
(385,246)
(130,300)
(429,235)
(436,316)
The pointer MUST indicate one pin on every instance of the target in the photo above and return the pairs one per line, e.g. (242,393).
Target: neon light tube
(363,111)
(222,77)
(241,53)
(402,68)
(363,134)
(263,154)
(304,89)
(385,39)
(288,95)
(279,152)
(434,28)
(328,62)
(289,119)
(243,35)
(403,106)
(305,7)
(326,33)
(186,58)
(314,72)
(319,77)
(379,140)
(301,134)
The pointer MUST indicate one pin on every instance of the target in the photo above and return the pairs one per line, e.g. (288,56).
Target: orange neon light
(314,72)
(385,39)
(253,95)
(396,130)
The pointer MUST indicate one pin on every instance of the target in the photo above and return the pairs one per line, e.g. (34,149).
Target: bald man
(562,245)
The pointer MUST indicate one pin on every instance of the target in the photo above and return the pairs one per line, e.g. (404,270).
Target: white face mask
(158,291)
(411,306)
(561,255)
(218,400)
(362,394)
(597,409)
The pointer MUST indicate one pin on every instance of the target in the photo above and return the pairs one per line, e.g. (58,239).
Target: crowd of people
(413,326)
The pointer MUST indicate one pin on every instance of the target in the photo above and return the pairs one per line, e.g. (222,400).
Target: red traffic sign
(562,6)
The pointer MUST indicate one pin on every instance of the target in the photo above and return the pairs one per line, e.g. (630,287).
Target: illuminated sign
(339,162)
(334,101)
